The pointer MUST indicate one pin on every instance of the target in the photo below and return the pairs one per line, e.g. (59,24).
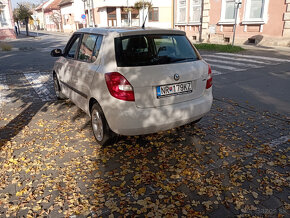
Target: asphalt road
(235,161)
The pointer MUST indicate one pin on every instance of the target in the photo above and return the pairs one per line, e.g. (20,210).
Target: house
(38,15)
(122,13)
(71,12)
(52,16)
(264,22)
(6,20)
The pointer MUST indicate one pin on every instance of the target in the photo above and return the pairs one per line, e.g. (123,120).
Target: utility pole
(93,11)
(143,11)
(201,20)
(89,13)
(238,3)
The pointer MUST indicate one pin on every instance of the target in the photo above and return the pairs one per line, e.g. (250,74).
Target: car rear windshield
(144,50)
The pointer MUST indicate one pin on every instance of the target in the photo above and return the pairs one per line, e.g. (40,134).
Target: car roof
(124,31)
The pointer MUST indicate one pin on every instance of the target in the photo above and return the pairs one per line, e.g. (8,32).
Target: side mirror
(56,53)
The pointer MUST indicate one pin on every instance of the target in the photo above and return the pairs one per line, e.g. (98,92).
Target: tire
(57,88)
(102,132)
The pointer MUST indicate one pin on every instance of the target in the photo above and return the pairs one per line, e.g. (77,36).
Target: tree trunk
(26,26)
(18,26)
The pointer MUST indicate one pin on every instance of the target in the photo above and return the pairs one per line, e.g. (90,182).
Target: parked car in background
(133,81)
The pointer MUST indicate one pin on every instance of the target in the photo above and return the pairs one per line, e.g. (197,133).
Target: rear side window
(89,47)
(153,50)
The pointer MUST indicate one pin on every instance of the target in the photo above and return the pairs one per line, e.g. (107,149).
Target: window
(181,11)
(3,21)
(64,20)
(153,50)
(154,14)
(195,10)
(72,46)
(228,11)
(97,48)
(111,13)
(87,46)
(256,11)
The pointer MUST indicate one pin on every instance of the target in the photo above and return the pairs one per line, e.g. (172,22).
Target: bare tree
(56,19)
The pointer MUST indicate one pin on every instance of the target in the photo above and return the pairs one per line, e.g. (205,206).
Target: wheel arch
(92,101)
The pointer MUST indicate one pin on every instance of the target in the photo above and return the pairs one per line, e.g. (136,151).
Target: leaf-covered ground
(235,162)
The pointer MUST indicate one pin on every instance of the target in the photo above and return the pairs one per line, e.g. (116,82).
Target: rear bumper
(137,121)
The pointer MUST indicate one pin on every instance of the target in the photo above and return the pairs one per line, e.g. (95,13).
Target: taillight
(119,87)
(209,78)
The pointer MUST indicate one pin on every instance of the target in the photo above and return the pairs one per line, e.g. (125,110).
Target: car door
(68,64)
(85,68)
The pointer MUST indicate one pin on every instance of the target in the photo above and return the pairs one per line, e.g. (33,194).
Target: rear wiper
(182,59)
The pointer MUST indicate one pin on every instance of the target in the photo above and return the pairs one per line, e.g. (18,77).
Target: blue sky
(14,2)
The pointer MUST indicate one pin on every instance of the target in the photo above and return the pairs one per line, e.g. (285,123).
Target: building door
(112,17)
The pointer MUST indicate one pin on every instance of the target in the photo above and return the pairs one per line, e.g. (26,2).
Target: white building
(72,11)
(121,13)
(6,20)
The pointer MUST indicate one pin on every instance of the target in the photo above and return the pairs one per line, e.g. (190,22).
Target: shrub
(5,46)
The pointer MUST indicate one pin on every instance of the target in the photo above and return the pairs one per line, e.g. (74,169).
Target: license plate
(174,89)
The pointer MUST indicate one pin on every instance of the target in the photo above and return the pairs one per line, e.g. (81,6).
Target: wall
(7,27)
(66,13)
(165,12)
(274,31)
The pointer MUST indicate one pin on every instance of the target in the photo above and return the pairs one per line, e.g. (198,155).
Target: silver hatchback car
(133,81)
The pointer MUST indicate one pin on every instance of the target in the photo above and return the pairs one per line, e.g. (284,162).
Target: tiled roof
(65,2)
(40,6)
(53,6)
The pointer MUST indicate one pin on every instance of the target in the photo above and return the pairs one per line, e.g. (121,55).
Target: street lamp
(238,4)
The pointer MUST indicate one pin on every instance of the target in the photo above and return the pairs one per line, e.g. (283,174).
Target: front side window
(153,50)
(97,48)
(87,46)
(72,46)
(181,11)
(195,10)
(154,14)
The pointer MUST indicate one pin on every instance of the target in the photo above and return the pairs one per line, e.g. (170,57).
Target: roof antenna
(143,26)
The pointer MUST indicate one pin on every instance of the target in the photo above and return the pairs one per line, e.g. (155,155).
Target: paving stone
(272,203)
(222,211)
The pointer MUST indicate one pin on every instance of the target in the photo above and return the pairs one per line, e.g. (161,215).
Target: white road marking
(235,59)
(37,81)
(255,57)
(231,63)
(216,73)
(226,67)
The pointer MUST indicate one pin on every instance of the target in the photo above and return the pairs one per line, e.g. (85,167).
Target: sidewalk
(39,33)
(278,50)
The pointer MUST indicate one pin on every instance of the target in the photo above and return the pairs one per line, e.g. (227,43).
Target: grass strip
(220,48)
